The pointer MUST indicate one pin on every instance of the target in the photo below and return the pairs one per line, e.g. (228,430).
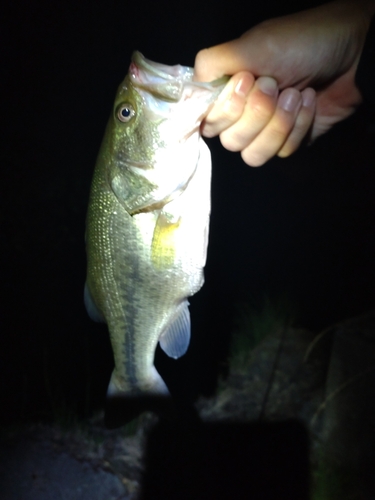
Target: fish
(148,220)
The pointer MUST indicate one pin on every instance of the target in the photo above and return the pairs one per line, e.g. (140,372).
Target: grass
(252,325)
(329,481)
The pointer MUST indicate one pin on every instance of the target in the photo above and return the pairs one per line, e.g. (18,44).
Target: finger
(217,61)
(270,140)
(302,124)
(260,107)
(229,106)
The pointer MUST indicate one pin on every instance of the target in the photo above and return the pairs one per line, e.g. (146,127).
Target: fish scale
(147,221)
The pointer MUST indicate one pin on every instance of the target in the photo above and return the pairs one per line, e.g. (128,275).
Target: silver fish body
(148,218)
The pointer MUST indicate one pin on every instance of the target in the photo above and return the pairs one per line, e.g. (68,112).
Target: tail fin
(122,406)
(154,385)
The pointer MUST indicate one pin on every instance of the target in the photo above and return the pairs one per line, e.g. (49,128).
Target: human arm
(293,76)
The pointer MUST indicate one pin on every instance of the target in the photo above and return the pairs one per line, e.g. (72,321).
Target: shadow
(226,461)
(121,411)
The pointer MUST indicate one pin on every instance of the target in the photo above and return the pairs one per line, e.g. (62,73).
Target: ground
(325,381)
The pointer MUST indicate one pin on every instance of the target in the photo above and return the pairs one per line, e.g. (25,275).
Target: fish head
(153,134)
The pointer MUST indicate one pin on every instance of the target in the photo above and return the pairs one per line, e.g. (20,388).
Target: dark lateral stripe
(130,313)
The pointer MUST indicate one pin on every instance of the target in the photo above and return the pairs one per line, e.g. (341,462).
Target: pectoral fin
(91,308)
(175,340)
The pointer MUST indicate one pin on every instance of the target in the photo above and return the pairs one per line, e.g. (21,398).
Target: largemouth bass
(148,217)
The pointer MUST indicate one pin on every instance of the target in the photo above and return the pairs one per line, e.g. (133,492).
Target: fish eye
(125,112)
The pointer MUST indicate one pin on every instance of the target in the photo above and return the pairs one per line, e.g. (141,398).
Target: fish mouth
(163,71)
(164,82)
(168,82)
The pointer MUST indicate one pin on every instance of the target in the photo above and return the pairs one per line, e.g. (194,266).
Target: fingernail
(243,86)
(308,97)
(267,85)
(289,100)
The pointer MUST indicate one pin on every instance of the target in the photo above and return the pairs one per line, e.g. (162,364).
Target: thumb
(224,59)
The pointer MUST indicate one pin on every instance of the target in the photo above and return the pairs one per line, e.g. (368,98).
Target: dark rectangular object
(227,461)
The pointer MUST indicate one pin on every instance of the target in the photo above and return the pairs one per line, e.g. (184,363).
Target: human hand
(310,59)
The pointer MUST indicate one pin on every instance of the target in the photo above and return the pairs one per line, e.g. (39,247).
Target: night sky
(301,228)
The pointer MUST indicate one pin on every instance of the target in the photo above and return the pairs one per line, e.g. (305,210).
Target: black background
(301,228)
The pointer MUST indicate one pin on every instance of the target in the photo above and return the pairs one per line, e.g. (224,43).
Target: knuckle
(203,65)
(232,108)
(278,134)
(280,128)
(288,149)
(262,109)
(253,158)
(231,141)
(201,59)
(304,121)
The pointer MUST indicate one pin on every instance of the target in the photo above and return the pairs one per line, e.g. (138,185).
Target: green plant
(252,325)
(330,482)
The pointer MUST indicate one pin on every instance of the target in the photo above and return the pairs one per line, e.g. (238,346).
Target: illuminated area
(282,328)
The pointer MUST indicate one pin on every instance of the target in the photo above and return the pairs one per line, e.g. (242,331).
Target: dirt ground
(324,382)
(46,462)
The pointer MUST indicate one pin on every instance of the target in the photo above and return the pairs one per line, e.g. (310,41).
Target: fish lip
(171,72)
(164,71)
(170,81)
